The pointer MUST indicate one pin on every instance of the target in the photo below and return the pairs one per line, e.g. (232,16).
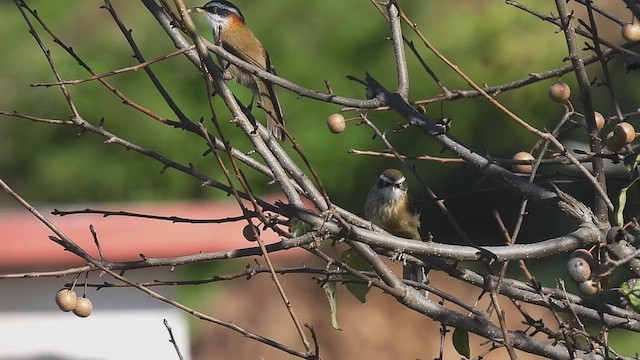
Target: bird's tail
(271,106)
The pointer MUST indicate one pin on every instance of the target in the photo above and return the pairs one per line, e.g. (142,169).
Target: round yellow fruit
(84,307)
(66,300)
(336,123)
(600,120)
(631,32)
(559,92)
(612,144)
(523,168)
(624,133)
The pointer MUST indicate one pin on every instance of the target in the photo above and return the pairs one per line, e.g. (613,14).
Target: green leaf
(622,202)
(330,290)
(353,259)
(299,228)
(461,342)
(630,289)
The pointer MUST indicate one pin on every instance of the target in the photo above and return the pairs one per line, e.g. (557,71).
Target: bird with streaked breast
(389,206)
(230,30)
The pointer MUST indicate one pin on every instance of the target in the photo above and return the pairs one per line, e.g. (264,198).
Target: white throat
(392,194)
(217,22)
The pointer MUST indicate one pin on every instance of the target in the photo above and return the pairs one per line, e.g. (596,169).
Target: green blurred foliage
(309,43)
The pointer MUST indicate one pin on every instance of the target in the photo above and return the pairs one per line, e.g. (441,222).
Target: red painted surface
(25,243)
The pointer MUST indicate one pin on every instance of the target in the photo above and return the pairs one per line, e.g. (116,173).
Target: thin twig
(172,339)
(36,119)
(503,324)
(115,72)
(174,219)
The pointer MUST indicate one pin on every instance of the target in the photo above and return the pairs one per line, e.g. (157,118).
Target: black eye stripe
(384,184)
(220,10)
(223,8)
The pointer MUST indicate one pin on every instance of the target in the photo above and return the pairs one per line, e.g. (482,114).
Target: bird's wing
(244,57)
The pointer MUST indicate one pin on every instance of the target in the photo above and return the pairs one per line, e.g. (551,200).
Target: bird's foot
(226,74)
(400,256)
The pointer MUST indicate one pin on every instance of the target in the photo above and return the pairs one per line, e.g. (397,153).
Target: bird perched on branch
(230,30)
(389,206)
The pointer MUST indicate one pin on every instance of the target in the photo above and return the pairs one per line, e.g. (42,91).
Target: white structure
(125,323)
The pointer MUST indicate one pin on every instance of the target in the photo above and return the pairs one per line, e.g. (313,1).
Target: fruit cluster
(622,134)
(68,300)
(580,267)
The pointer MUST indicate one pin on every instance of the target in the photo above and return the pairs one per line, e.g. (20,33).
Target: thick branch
(595,143)
(398,49)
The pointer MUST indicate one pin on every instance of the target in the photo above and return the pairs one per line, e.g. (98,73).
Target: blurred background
(310,43)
